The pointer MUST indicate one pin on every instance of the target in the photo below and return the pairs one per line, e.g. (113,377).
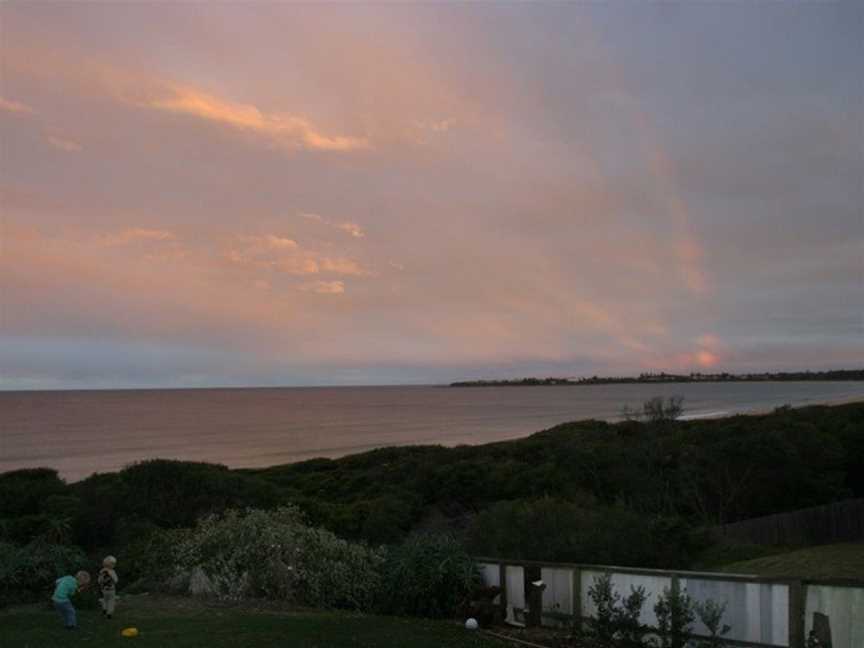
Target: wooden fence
(762,612)
(839,522)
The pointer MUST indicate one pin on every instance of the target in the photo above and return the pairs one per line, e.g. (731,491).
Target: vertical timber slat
(502,579)
(797,605)
(576,577)
(533,596)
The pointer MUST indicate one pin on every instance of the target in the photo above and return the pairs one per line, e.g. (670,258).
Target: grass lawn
(827,561)
(183,623)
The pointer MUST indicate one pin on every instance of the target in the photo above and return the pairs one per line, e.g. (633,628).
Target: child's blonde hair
(83,577)
(110,562)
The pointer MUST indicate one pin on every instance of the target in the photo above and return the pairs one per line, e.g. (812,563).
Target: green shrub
(387,520)
(149,560)
(175,493)
(102,497)
(275,555)
(27,573)
(64,506)
(22,492)
(35,503)
(658,410)
(675,616)
(711,613)
(428,575)
(23,528)
(557,530)
(615,623)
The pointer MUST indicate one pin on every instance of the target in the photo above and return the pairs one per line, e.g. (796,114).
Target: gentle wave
(704,415)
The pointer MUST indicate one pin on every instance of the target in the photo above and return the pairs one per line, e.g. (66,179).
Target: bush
(428,575)
(149,560)
(557,530)
(175,494)
(31,502)
(675,616)
(615,623)
(102,497)
(20,530)
(711,614)
(658,410)
(275,555)
(62,506)
(28,573)
(22,492)
(387,520)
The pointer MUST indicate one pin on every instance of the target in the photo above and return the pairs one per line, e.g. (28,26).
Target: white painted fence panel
(622,582)
(558,595)
(756,612)
(845,609)
(781,634)
(515,586)
(491,577)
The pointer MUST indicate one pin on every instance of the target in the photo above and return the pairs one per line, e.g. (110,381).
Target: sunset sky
(275,194)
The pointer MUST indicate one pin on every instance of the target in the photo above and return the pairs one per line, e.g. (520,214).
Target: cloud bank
(439,192)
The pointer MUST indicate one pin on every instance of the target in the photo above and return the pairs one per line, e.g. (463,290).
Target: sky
(251,194)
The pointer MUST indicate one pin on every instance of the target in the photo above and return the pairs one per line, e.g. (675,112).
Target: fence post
(797,610)
(533,596)
(576,579)
(502,579)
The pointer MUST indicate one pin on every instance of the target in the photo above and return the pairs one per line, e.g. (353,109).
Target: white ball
(471,624)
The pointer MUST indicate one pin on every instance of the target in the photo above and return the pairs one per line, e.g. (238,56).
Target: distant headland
(838,374)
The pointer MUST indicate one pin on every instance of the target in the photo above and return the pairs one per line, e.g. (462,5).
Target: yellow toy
(129,632)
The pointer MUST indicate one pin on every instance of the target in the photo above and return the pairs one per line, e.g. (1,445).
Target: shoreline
(845,400)
(75,476)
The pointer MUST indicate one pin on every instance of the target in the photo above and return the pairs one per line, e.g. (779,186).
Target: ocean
(82,432)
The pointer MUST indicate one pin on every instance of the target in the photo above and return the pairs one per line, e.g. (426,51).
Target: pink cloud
(282,254)
(325,287)
(280,242)
(136,234)
(283,129)
(15,106)
(343,266)
(64,144)
(352,228)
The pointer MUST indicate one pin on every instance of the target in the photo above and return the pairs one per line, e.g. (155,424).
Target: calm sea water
(81,432)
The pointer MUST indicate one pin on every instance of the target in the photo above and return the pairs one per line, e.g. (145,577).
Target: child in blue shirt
(64,587)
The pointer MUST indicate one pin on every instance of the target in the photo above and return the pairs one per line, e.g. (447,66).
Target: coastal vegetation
(352,530)
(663,377)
